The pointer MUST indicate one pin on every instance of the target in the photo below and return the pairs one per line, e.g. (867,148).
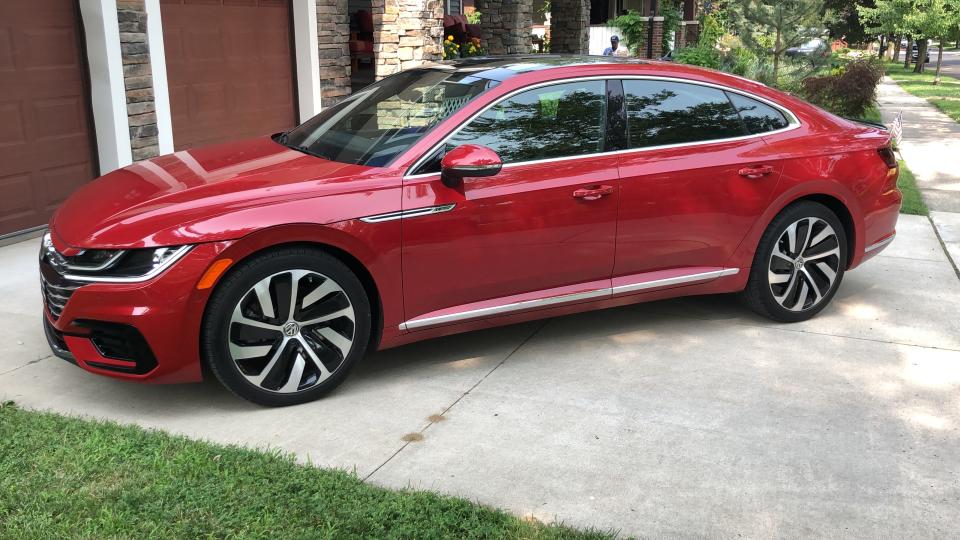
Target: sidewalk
(931,147)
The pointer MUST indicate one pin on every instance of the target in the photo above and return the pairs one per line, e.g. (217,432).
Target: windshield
(379,122)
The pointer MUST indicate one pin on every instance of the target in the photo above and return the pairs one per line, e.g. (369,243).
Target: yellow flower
(450,38)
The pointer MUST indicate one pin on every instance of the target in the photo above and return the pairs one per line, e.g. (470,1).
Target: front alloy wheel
(286,326)
(291,331)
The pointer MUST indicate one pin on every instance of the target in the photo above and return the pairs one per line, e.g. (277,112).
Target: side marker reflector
(213,273)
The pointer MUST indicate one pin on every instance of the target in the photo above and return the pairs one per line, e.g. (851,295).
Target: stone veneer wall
(406,33)
(333,40)
(570,26)
(138,79)
(507,25)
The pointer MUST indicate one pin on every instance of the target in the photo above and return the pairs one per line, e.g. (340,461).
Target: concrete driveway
(683,418)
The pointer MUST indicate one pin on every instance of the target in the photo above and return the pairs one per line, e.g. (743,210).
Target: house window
(454,7)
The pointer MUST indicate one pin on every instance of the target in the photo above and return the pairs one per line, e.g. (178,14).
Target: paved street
(688,417)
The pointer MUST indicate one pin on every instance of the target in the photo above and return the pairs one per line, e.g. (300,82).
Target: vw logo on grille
(291,329)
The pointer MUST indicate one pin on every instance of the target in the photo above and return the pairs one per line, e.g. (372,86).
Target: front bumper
(147,331)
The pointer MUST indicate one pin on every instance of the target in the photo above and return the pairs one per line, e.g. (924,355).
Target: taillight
(888,157)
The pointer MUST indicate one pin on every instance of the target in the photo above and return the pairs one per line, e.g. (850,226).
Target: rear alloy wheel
(285,329)
(799,263)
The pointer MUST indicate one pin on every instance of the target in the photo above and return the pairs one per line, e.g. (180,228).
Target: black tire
(769,270)
(296,374)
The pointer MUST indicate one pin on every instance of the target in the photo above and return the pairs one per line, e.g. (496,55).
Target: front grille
(56,289)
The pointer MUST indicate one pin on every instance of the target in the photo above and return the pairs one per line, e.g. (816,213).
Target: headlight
(112,265)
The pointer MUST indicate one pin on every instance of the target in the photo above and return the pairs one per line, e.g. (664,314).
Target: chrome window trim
(177,255)
(793,122)
(407,214)
(877,245)
(511,307)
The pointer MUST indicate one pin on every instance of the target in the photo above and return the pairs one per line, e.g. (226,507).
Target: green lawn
(68,478)
(945,96)
(912,201)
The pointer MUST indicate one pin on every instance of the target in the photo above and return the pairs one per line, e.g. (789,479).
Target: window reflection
(758,117)
(660,113)
(553,121)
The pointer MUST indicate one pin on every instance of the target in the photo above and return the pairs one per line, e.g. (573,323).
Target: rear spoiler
(868,123)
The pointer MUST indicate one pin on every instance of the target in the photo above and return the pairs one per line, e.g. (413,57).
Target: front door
(700,177)
(527,233)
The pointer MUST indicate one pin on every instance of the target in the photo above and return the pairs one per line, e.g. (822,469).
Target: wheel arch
(332,241)
(834,195)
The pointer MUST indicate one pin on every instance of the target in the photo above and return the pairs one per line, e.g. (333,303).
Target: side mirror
(469,160)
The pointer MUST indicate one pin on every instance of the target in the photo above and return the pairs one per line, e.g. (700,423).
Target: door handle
(756,172)
(593,193)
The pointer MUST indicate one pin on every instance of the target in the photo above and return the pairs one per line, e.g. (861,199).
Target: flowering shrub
(472,48)
(450,49)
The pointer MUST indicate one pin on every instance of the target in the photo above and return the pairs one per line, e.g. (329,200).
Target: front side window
(758,117)
(376,124)
(559,120)
(664,112)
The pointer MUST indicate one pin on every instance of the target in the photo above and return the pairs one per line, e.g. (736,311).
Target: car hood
(127,208)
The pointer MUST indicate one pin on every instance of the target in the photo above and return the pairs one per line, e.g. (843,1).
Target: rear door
(527,233)
(696,180)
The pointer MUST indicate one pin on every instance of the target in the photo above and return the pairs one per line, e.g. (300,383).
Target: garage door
(229,69)
(45,145)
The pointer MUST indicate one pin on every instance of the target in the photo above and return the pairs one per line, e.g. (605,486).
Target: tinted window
(374,125)
(548,122)
(660,112)
(758,117)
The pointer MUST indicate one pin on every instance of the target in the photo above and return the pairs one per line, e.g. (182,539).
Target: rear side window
(663,112)
(757,116)
(559,120)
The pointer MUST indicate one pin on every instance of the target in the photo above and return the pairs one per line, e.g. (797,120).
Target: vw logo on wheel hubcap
(291,329)
(798,264)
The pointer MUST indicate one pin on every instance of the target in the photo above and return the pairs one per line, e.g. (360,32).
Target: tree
(842,19)
(889,17)
(933,19)
(788,22)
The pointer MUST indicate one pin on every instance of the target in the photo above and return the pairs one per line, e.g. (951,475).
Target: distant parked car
(915,53)
(815,46)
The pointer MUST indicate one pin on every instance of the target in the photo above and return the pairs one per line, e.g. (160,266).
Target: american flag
(896,128)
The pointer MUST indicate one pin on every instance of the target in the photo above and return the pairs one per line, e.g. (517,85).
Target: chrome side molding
(877,245)
(407,214)
(609,292)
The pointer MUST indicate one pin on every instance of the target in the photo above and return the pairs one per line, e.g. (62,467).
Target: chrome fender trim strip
(511,307)
(407,214)
(877,245)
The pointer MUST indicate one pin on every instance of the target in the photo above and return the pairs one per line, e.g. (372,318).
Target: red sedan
(460,196)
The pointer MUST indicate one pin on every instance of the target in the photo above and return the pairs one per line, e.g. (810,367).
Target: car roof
(501,68)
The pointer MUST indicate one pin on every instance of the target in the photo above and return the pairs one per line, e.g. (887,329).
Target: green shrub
(698,56)
(847,91)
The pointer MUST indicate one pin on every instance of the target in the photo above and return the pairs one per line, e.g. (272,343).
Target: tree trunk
(776,57)
(881,47)
(896,49)
(921,56)
(906,56)
(936,78)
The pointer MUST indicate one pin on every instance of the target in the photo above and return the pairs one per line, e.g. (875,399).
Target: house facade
(89,86)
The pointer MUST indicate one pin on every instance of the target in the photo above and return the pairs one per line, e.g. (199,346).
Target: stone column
(333,42)
(506,25)
(138,79)
(406,33)
(570,26)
